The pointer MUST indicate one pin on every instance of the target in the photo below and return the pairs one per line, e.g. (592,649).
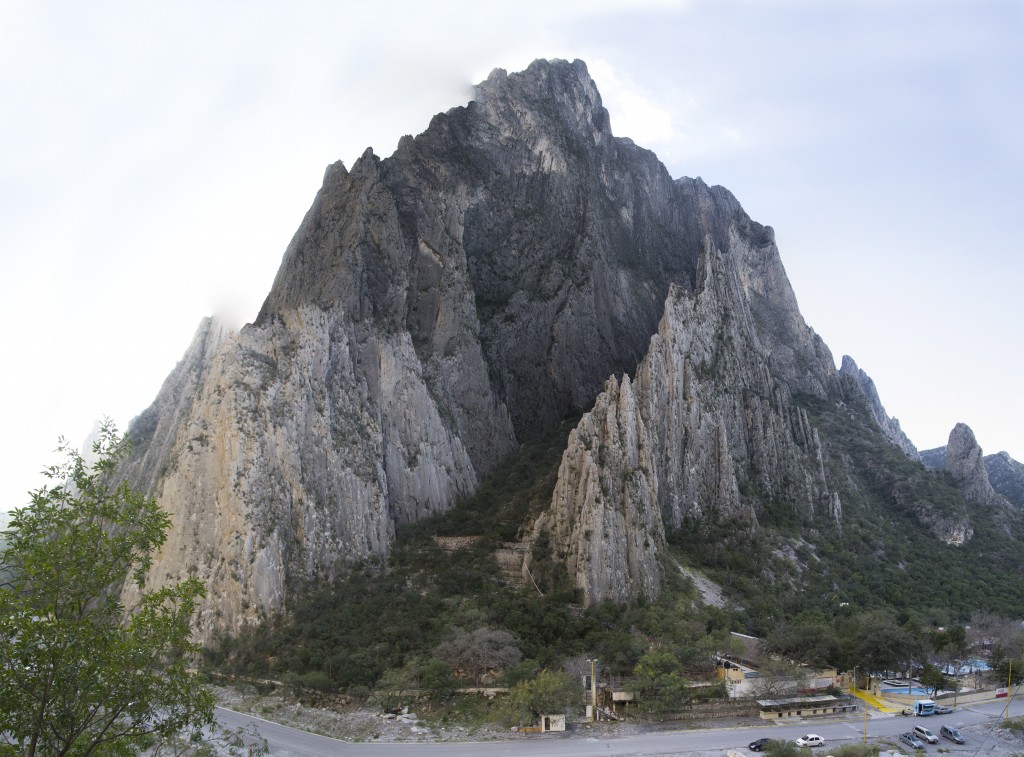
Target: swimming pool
(912,690)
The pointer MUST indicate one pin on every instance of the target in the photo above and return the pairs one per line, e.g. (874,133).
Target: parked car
(759,745)
(925,735)
(811,739)
(911,740)
(951,733)
(942,709)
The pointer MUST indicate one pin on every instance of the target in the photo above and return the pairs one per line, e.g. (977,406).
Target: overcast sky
(155,159)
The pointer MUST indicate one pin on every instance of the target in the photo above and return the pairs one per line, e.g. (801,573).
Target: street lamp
(593,690)
(865,721)
(1009,689)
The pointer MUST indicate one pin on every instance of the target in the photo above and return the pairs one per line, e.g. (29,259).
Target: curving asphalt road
(291,742)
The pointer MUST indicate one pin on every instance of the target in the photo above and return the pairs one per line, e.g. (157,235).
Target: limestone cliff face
(604,517)
(302,448)
(478,287)
(953,529)
(965,462)
(708,414)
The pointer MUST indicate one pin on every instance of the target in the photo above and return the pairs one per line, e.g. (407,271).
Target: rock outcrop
(1005,475)
(299,450)
(965,462)
(859,386)
(708,413)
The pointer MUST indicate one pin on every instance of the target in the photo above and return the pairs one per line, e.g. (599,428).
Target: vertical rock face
(965,462)
(303,446)
(604,517)
(437,307)
(708,413)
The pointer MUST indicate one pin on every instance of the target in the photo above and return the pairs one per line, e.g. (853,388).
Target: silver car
(911,740)
(951,733)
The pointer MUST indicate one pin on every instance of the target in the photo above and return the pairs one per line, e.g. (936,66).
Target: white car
(925,735)
(810,739)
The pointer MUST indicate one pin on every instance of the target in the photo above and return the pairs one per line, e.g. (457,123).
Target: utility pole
(865,721)
(593,690)
(1009,682)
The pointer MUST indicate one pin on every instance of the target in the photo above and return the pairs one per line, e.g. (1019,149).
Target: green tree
(811,643)
(395,685)
(435,679)
(1009,670)
(659,684)
(79,672)
(883,646)
(550,693)
(932,678)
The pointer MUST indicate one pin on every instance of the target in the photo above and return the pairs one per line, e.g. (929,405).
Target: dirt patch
(353,723)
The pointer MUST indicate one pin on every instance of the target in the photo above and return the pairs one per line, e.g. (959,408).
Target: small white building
(545,724)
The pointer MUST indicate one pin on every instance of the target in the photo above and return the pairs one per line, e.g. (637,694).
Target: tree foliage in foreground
(550,693)
(79,673)
(658,682)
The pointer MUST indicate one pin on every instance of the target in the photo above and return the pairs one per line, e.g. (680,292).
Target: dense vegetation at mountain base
(866,592)
(404,615)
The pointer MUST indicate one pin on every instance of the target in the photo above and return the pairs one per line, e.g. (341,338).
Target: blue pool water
(914,690)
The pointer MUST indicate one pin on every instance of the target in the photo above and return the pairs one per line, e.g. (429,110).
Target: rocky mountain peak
(965,461)
(552,97)
(492,278)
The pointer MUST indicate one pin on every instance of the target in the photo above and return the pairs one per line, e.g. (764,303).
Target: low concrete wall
(719,708)
(978,695)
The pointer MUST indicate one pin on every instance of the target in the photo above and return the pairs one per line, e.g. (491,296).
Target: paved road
(290,742)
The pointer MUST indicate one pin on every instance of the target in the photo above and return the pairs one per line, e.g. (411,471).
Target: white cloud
(632,112)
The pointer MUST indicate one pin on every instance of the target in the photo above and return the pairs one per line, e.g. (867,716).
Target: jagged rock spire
(965,462)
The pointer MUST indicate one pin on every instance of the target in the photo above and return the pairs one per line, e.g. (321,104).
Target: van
(924,707)
(951,733)
(925,735)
